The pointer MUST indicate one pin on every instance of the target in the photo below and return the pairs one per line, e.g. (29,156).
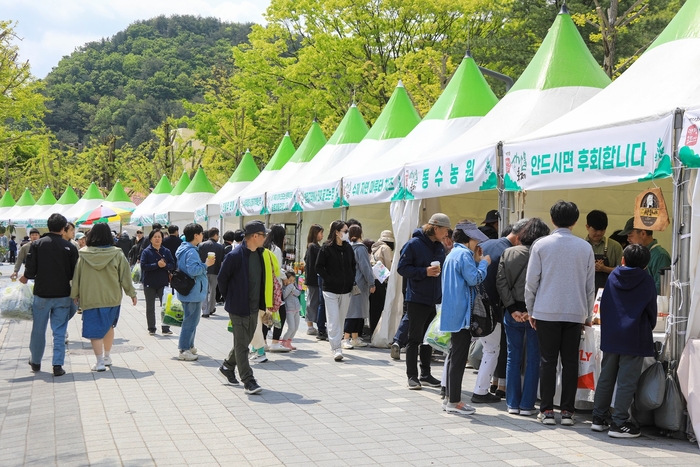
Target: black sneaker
(322,336)
(251,387)
(230,375)
(628,430)
(35,366)
(58,370)
(414,384)
(396,351)
(167,332)
(599,424)
(205,316)
(487,398)
(443,392)
(430,381)
(499,393)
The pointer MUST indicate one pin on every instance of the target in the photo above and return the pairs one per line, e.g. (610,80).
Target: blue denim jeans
(58,310)
(521,395)
(189,324)
(401,336)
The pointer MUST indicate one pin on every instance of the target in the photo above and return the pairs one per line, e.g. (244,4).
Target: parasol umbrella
(104,214)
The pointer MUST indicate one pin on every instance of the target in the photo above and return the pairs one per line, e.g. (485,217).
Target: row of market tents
(562,131)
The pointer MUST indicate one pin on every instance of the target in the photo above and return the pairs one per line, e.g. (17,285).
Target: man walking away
(211,246)
(50,262)
(22,256)
(559,295)
(172,241)
(245,280)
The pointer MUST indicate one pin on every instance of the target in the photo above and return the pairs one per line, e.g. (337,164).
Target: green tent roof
(93,192)
(181,185)
(7,201)
(313,142)
(562,60)
(397,119)
(26,199)
(47,198)
(246,171)
(118,194)
(200,183)
(352,128)
(68,197)
(163,187)
(685,25)
(284,152)
(467,94)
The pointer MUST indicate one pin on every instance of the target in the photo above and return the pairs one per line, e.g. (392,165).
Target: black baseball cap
(253,227)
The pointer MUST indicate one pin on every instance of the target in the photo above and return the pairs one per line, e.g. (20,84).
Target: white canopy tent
(160,214)
(90,200)
(182,208)
(143,214)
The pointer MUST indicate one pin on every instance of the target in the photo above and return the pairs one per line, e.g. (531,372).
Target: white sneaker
(311,331)
(345,344)
(187,356)
(278,348)
(256,358)
(100,366)
(108,361)
(527,413)
(358,342)
(338,355)
(513,411)
(460,408)
(193,350)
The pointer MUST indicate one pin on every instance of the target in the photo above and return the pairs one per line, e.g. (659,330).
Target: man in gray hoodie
(559,295)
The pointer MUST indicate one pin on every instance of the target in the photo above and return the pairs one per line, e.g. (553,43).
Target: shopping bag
(483,321)
(172,312)
(435,338)
(136,273)
(276,319)
(651,388)
(16,301)
(669,416)
(476,354)
(229,326)
(380,272)
(587,356)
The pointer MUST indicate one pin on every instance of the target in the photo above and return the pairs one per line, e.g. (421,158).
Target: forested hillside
(127,85)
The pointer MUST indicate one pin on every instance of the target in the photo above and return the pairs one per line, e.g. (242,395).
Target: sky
(51,29)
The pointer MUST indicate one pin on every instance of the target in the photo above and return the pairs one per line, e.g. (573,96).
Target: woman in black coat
(157,264)
(336,266)
(313,294)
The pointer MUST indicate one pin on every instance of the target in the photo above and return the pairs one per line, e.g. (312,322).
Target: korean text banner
(688,148)
(373,188)
(284,201)
(464,173)
(229,208)
(319,197)
(253,206)
(200,214)
(610,156)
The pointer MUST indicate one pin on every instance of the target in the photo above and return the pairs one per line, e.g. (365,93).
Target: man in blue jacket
(628,317)
(421,261)
(188,262)
(242,281)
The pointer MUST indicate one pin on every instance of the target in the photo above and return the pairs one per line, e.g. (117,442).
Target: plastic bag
(669,416)
(229,326)
(476,354)
(380,272)
(172,313)
(651,388)
(136,273)
(16,301)
(587,355)
(435,338)
(276,319)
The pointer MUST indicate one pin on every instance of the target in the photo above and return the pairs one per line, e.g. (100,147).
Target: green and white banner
(200,214)
(229,208)
(688,147)
(162,218)
(617,155)
(285,201)
(319,197)
(374,188)
(253,206)
(465,173)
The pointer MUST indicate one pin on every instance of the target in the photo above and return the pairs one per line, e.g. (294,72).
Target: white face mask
(345,237)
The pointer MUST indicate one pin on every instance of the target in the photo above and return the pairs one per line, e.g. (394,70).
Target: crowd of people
(535,287)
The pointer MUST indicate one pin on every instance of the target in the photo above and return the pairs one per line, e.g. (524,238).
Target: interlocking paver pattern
(151,409)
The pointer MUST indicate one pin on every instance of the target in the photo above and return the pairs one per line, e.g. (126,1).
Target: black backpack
(182,282)
(483,321)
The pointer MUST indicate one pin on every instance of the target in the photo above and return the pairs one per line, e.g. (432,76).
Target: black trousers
(558,339)
(459,353)
(376,305)
(419,318)
(354,325)
(503,355)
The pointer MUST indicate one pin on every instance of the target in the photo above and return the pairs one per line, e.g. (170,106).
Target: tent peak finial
(286,133)
(564,9)
(400,85)
(468,54)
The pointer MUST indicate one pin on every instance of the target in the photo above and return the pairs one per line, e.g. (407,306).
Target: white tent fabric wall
(693,329)
(144,212)
(227,193)
(405,217)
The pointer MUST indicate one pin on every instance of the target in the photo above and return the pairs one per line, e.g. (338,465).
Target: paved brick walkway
(151,409)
